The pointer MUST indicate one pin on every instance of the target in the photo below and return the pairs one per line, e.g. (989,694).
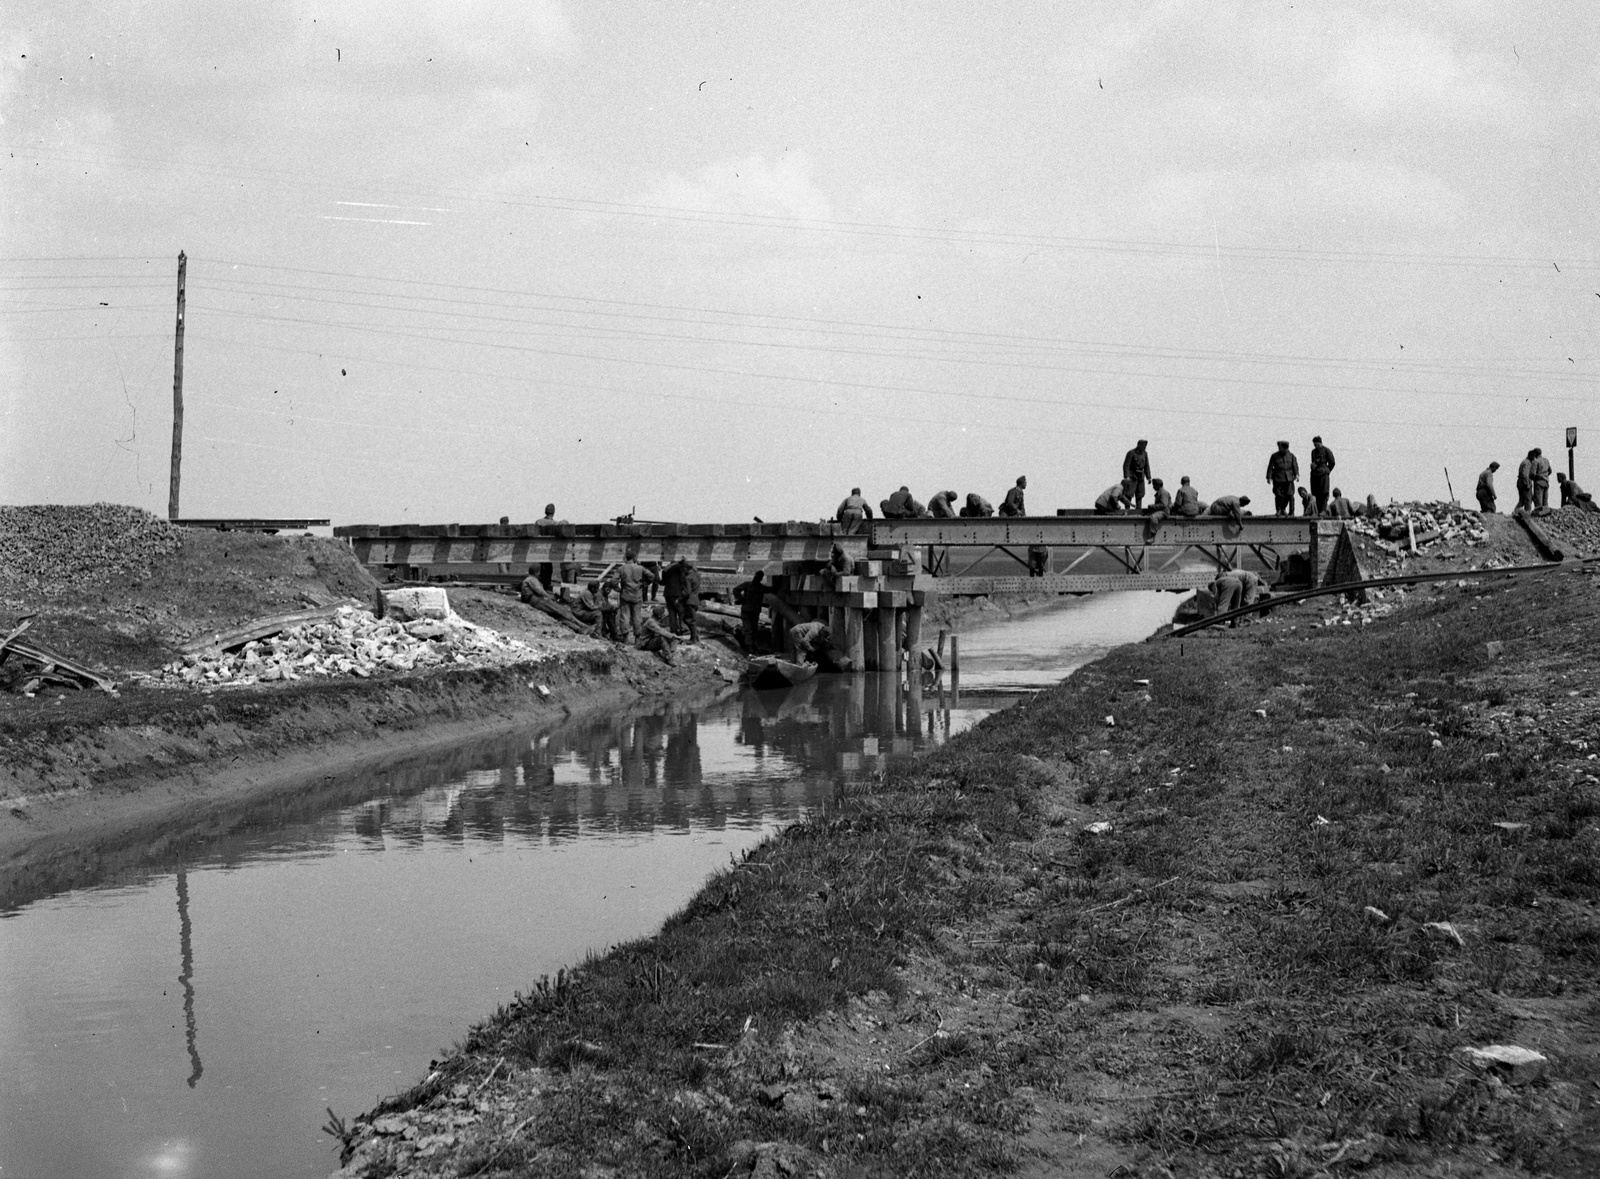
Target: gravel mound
(1578,530)
(47,550)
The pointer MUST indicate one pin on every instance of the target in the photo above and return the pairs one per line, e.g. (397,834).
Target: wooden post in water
(177,394)
(955,654)
(913,637)
(854,646)
(869,638)
(888,639)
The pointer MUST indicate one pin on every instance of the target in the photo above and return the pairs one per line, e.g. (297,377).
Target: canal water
(191,1005)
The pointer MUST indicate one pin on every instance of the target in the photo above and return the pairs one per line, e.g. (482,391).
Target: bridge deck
(1088,553)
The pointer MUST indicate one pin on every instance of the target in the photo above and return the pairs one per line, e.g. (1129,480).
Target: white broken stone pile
(1436,521)
(352,642)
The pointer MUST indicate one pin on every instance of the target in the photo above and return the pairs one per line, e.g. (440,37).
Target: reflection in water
(186,974)
(350,928)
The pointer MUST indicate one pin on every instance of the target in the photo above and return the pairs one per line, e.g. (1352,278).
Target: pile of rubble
(352,642)
(1378,604)
(1576,530)
(1392,531)
(51,549)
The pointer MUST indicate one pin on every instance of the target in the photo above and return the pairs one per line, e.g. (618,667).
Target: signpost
(1572,444)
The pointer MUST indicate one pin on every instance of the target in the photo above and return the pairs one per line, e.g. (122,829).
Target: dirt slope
(1233,905)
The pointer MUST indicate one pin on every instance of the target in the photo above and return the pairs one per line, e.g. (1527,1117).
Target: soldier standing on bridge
(1322,463)
(1486,497)
(1283,472)
(1012,504)
(1136,469)
(853,511)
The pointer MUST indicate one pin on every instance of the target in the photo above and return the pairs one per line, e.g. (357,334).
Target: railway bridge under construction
(897,566)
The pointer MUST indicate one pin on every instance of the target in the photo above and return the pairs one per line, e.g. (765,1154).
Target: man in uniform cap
(1136,469)
(1322,463)
(1283,472)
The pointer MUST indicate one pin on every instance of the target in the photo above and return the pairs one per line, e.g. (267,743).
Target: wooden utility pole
(177,395)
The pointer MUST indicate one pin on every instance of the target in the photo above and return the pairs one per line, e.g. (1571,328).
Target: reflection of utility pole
(186,973)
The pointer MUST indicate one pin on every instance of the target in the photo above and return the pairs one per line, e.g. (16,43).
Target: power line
(1208,356)
(975,336)
(875,387)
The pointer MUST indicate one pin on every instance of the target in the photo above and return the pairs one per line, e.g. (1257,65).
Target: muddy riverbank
(82,772)
(119,590)
(1232,905)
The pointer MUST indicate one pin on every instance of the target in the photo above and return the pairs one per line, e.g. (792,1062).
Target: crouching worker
(1234,590)
(585,606)
(1160,508)
(813,643)
(655,635)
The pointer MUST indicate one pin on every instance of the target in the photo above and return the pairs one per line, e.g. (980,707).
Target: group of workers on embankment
(1533,487)
(621,603)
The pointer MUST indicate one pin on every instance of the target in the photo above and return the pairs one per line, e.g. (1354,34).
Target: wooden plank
(416,549)
(250,523)
(49,659)
(262,628)
(1067,583)
(1089,529)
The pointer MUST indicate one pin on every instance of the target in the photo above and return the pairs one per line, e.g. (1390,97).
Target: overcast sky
(450,260)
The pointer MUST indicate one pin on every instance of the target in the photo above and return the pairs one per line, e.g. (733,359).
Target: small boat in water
(768,671)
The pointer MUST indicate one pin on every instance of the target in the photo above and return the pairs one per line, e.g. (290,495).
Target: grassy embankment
(945,973)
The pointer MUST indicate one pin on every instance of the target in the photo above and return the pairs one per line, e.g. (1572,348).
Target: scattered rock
(1518,1065)
(1376,915)
(1098,828)
(1445,930)
(416,602)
